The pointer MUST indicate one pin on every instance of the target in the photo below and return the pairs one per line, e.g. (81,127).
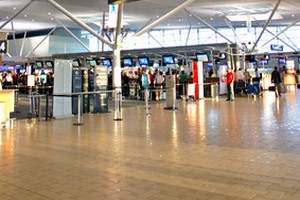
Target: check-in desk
(7,101)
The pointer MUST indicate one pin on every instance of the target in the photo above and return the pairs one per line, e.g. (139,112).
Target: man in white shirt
(239,75)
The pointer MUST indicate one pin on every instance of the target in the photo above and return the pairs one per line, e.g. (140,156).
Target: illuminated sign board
(276,47)
(3,46)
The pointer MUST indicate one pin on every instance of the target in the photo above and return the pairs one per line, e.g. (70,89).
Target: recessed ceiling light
(293,15)
(25,15)
(49,13)
(211,18)
(157,16)
(33,20)
(179,20)
(14,8)
(7,17)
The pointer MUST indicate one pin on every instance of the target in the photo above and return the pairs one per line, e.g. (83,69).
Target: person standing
(158,82)
(230,83)
(182,83)
(276,79)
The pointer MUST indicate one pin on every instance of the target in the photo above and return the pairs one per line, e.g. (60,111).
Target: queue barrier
(117,94)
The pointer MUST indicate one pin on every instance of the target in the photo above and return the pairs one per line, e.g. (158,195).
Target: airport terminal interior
(131,100)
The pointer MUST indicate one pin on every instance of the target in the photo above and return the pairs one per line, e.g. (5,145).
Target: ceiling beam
(72,34)
(163,18)
(266,24)
(28,55)
(16,14)
(209,26)
(276,36)
(79,22)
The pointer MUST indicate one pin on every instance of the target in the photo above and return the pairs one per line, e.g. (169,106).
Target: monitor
(92,62)
(250,58)
(264,62)
(254,62)
(49,63)
(75,63)
(281,61)
(127,62)
(209,64)
(106,62)
(202,57)
(39,64)
(143,61)
(222,56)
(168,60)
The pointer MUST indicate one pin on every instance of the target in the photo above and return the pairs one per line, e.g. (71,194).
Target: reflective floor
(207,150)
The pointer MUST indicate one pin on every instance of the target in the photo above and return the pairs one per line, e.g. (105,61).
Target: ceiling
(40,14)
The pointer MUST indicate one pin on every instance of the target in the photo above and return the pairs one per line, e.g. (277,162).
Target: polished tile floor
(207,150)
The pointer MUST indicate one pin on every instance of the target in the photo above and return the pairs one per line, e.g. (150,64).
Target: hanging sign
(3,46)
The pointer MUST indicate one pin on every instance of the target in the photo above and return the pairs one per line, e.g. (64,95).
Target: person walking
(276,80)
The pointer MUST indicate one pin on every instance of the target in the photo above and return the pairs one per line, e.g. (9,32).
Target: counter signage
(101,77)
(3,46)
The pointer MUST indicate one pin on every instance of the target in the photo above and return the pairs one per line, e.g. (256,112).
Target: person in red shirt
(230,82)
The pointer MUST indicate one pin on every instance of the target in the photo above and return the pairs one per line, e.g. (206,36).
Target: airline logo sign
(3,46)
(276,47)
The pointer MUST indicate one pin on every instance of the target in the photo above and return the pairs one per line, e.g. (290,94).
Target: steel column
(266,24)
(23,43)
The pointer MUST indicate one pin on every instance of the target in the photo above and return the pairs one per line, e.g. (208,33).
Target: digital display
(222,56)
(209,64)
(39,64)
(168,60)
(281,61)
(264,62)
(93,62)
(202,57)
(49,63)
(75,63)
(127,62)
(106,62)
(143,61)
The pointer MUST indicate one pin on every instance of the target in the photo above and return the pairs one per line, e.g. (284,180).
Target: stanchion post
(79,111)
(118,105)
(146,92)
(47,105)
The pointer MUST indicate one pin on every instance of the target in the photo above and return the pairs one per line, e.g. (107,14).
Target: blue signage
(276,47)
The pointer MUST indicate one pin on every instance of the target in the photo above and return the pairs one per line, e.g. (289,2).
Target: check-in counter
(7,98)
